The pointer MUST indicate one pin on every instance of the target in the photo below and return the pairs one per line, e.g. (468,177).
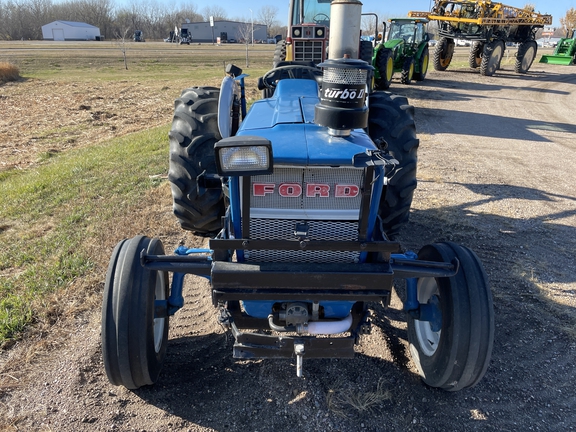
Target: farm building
(225,30)
(70,31)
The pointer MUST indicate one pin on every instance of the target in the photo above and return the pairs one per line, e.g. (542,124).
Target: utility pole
(252,20)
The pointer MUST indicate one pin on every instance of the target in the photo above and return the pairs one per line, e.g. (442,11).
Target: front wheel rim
(428,339)
(159,323)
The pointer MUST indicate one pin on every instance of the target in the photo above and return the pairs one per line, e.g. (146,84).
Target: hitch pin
(299,351)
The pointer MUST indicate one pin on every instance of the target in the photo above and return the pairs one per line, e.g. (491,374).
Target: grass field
(59,217)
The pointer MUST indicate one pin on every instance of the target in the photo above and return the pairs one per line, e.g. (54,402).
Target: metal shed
(225,30)
(70,31)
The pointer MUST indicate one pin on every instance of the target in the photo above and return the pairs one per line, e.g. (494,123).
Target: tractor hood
(287,120)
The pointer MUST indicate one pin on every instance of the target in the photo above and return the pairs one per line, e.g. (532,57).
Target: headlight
(243,155)
(319,32)
(297,32)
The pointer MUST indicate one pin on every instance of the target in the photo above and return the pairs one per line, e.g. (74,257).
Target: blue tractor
(302,197)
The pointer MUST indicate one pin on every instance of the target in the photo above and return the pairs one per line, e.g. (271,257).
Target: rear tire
(475,56)
(391,118)
(443,53)
(279,53)
(192,137)
(133,341)
(525,56)
(491,57)
(385,66)
(457,355)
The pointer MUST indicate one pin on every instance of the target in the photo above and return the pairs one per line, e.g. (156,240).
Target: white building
(225,30)
(70,31)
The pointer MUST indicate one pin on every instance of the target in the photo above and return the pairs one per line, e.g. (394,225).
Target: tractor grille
(328,218)
(304,177)
(270,229)
(308,50)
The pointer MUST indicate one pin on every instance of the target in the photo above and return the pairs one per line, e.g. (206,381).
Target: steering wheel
(271,78)
(320,18)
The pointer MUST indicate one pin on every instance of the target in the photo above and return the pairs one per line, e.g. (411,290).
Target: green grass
(50,214)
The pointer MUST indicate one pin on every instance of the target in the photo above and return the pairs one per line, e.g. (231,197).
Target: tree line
(23,19)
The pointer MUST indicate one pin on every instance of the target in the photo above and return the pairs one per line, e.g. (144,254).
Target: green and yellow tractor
(405,50)
(565,52)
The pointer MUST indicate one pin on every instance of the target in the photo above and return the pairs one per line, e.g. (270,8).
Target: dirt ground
(496,173)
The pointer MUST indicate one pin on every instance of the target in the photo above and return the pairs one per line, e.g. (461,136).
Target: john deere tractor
(405,51)
(564,53)
(303,197)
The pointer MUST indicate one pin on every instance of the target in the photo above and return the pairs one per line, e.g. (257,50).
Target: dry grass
(8,72)
(341,400)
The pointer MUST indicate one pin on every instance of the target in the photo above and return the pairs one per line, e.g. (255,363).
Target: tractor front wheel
(525,56)
(134,340)
(443,53)
(391,123)
(422,65)
(385,67)
(192,137)
(454,353)
(407,70)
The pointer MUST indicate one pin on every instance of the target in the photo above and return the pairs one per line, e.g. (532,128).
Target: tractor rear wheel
(391,119)
(407,70)
(192,137)
(279,53)
(475,56)
(491,57)
(453,354)
(525,56)
(443,53)
(422,65)
(134,341)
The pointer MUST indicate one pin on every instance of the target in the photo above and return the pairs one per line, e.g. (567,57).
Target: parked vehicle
(303,197)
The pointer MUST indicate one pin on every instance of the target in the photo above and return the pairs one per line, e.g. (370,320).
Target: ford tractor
(302,198)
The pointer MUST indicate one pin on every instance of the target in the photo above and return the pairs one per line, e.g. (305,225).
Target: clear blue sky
(384,8)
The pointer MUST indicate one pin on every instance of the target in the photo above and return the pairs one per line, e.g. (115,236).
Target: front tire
(192,137)
(385,66)
(422,65)
(525,56)
(455,355)
(134,341)
(407,71)
(391,118)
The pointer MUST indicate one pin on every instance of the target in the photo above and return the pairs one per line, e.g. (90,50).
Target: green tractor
(405,50)
(565,52)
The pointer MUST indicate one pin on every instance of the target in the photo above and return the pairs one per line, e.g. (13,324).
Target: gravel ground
(495,174)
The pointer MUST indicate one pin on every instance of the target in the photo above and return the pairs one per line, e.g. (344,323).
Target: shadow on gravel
(466,123)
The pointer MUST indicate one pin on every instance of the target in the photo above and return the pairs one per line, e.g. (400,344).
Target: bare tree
(217,12)
(122,43)
(569,21)
(267,16)
(245,31)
